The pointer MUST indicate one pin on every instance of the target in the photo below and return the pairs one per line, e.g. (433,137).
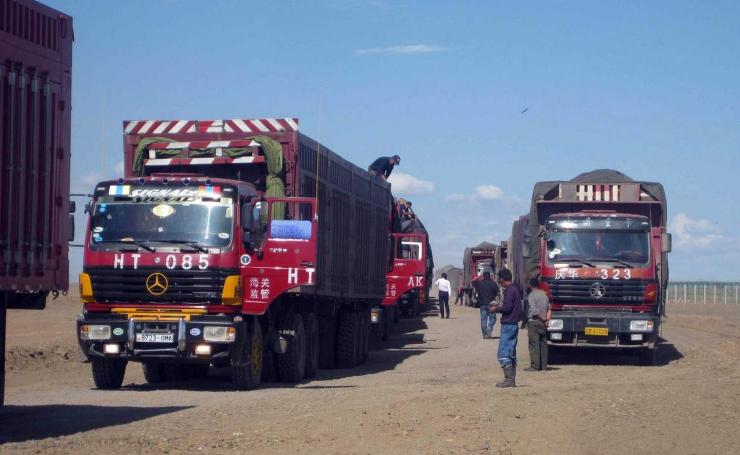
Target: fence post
(725,289)
(704,293)
(714,293)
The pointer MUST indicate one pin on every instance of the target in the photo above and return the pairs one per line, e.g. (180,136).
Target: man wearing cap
(383,166)
(487,291)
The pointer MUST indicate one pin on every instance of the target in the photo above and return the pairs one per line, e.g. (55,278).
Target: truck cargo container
(476,260)
(35,99)
(237,243)
(599,243)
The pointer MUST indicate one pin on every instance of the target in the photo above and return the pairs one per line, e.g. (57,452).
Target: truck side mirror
(88,206)
(72,207)
(550,245)
(246,216)
(71,235)
(666,242)
(526,250)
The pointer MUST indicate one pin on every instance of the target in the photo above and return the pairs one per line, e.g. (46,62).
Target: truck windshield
(483,267)
(204,223)
(628,246)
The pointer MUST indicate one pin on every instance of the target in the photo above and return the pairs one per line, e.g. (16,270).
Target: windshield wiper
(139,243)
(191,243)
(576,260)
(618,261)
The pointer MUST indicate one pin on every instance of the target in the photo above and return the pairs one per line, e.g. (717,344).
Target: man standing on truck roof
(383,166)
(511,314)
(539,315)
(487,291)
(444,296)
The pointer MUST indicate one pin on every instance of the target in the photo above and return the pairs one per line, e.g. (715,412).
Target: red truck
(599,243)
(35,129)
(476,260)
(409,280)
(239,243)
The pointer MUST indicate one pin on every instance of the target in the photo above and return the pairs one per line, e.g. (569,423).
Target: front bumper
(186,335)
(614,329)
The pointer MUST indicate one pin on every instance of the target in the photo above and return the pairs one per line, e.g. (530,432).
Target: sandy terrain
(430,391)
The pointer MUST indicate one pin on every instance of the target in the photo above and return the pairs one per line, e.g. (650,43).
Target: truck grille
(183,286)
(585,291)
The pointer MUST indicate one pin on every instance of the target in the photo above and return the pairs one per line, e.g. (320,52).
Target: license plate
(155,337)
(598,331)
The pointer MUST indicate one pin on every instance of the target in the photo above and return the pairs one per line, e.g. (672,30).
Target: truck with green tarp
(241,244)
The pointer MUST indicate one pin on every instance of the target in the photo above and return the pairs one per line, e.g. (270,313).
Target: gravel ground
(429,391)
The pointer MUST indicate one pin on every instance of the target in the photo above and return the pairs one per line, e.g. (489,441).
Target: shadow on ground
(403,342)
(667,353)
(24,423)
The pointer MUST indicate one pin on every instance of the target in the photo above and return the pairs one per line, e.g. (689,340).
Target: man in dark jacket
(487,291)
(383,166)
(511,314)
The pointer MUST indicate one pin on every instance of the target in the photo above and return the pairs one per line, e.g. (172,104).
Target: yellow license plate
(599,331)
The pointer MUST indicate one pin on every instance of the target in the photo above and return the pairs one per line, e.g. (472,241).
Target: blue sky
(649,89)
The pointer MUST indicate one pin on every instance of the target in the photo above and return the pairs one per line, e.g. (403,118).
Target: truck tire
(269,365)
(108,373)
(328,344)
(364,316)
(347,339)
(153,372)
(247,357)
(292,364)
(312,345)
(648,357)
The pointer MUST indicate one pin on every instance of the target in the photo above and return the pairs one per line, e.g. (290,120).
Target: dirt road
(430,391)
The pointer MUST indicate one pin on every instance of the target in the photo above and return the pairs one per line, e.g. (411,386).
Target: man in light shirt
(444,296)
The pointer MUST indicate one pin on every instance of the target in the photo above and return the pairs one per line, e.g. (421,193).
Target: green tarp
(273,158)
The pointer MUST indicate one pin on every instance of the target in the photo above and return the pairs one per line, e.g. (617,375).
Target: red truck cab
(602,257)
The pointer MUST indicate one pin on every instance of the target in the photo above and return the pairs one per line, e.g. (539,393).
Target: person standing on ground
(383,166)
(444,296)
(539,315)
(511,314)
(460,294)
(487,291)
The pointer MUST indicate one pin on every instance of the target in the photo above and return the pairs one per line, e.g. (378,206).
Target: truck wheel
(247,357)
(347,339)
(292,364)
(328,344)
(153,372)
(648,357)
(396,320)
(312,345)
(108,373)
(269,365)
(364,335)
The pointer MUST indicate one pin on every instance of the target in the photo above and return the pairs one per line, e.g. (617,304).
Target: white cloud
(694,232)
(485,192)
(489,192)
(402,50)
(406,184)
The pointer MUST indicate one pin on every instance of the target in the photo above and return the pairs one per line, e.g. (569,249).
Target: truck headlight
(219,333)
(95,332)
(641,326)
(555,324)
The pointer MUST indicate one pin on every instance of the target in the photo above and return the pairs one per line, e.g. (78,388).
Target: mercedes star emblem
(598,290)
(156,284)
